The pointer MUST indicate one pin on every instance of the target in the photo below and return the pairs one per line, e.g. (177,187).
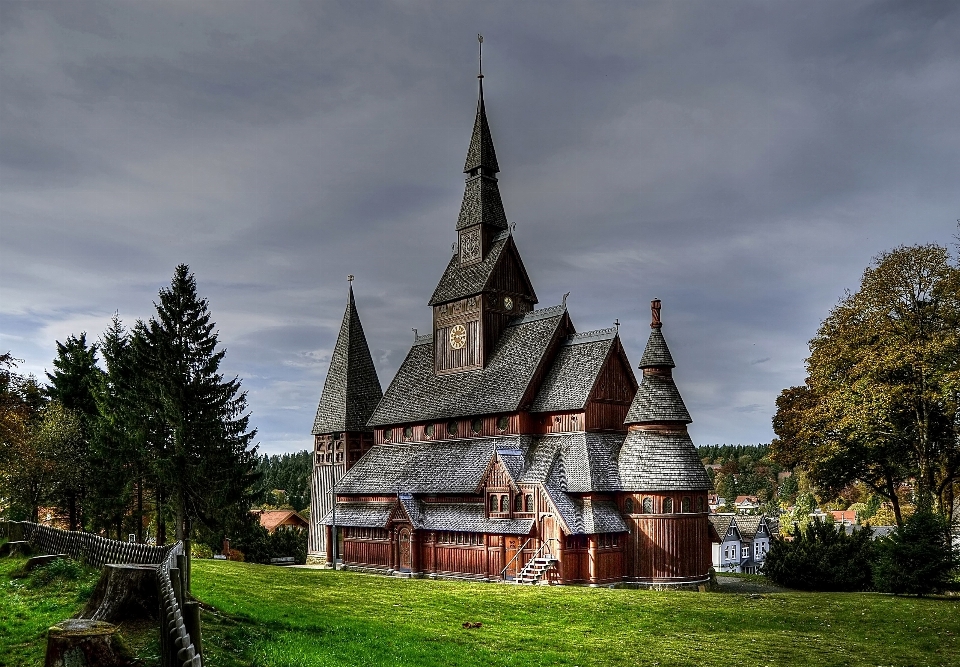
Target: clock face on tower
(458,337)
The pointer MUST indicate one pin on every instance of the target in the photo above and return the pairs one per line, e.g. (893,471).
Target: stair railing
(515,557)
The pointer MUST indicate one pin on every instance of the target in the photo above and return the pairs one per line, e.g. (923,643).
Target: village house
(741,542)
(274,520)
(509,445)
(746,504)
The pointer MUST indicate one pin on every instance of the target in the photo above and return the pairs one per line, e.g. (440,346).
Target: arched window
(628,505)
(668,505)
(528,501)
(504,504)
(493,503)
(685,505)
(700,504)
(477,426)
(648,505)
(408,432)
(518,503)
(451,427)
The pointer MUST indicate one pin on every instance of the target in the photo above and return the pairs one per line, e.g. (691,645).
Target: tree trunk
(85,643)
(124,592)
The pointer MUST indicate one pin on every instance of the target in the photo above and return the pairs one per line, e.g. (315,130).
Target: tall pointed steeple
(481,152)
(352,389)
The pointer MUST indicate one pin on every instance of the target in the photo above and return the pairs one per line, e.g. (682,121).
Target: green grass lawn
(30,605)
(282,617)
(292,617)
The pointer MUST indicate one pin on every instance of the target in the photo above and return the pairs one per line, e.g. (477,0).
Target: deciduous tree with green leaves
(880,404)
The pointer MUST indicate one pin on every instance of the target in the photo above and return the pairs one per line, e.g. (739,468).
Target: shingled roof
(656,354)
(481,204)
(657,400)
(462,280)
(418,394)
(444,466)
(575,371)
(584,516)
(352,388)
(481,152)
(658,461)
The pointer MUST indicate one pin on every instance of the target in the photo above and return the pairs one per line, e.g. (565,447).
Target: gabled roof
(574,462)
(661,461)
(363,515)
(272,519)
(481,152)
(418,394)
(657,400)
(352,388)
(575,371)
(749,525)
(722,524)
(656,354)
(580,516)
(460,281)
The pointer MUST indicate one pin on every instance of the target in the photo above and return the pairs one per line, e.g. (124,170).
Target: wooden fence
(177,648)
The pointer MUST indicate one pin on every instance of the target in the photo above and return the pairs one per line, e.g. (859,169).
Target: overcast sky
(742,161)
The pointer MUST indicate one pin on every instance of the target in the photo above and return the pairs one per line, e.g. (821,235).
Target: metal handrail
(545,545)
(515,556)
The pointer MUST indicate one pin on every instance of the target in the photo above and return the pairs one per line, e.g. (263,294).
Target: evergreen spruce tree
(205,460)
(115,449)
(917,558)
(73,385)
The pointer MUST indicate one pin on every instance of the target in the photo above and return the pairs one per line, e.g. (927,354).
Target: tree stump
(124,592)
(15,549)
(86,643)
(37,561)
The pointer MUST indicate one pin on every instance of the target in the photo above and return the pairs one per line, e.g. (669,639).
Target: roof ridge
(537,315)
(592,336)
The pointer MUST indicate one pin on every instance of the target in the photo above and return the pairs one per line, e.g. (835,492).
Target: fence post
(191,619)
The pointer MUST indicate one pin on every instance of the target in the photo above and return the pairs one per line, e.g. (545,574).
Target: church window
(668,505)
(699,504)
(504,504)
(518,503)
(493,503)
(477,426)
(503,422)
(452,427)
(648,505)
(428,430)
(407,432)
(388,434)
(628,505)
(685,505)
(528,501)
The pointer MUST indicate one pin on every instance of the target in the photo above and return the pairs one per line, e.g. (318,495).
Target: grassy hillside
(292,617)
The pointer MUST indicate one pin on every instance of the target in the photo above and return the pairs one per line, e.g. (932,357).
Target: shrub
(63,569)
(200,550)
(822,557)
(917,558)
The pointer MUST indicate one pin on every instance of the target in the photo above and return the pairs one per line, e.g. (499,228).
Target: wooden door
(405,556)
(513,564)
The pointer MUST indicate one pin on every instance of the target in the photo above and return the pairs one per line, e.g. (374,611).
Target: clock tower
(485,284)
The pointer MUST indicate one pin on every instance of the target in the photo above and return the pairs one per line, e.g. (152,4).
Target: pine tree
(73,385)
(205,459)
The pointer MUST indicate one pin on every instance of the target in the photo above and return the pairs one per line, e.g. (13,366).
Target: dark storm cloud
(743,161)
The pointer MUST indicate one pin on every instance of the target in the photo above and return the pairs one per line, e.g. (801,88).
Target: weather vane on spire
(480,40)
(350,278)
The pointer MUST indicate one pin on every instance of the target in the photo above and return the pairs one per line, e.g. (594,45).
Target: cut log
(124,592)
(86,643)
(38,561)
(13,549)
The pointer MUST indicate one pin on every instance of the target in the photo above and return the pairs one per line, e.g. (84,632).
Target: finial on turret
(480,58)
(350,278)
(564,304)
(655,323)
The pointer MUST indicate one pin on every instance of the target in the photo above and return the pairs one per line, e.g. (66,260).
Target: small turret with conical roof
(658,453)
(341,435)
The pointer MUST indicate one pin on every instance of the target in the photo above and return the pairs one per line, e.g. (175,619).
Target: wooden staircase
(535,569)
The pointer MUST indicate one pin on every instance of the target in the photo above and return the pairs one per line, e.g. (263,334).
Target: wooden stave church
(506,435)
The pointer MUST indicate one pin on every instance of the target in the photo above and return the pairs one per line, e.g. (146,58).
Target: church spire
(352,389)
(481,155)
